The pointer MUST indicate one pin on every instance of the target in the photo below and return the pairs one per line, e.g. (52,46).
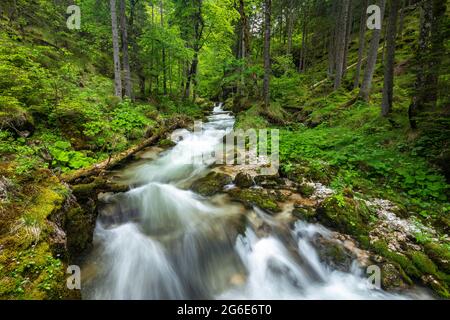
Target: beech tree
(116,50)
(372,57)
(388,88)
(125,55)
(267,65)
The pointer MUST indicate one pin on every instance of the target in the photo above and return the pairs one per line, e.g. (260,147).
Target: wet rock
(334,254)
(270,182)
(438,286)
(212,184)
(346,215)
(256,197)
(243,180)
(392,277)
(439,255)
(306,190)
(80,225)
(304,213)
(166,143)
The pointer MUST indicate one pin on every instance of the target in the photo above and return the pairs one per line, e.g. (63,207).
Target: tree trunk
(429,58)
(115,36)
(340,43)
(161,12)
(290,26)
(125,56)
(388,89)
(402,19)
(371,58)
(333,36)
(267,65)
(361,43)
(199,25)
(348,36)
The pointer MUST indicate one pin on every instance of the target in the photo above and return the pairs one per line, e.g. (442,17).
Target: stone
(212,184)
(243,180)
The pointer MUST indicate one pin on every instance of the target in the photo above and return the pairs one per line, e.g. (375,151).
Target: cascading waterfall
(158,241)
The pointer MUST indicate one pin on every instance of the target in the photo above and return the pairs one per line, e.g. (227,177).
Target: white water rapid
(160,241)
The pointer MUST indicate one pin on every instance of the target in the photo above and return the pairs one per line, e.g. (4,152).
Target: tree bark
(348,36)
(340,44)
(388,88)
(199,25)
(402,19)
(125,55)
(361,43)
(290,26)
(116,50)
(161,12)
(267,65)
(429,58)
(371,59)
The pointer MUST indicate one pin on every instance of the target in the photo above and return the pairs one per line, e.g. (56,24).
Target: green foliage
(67,159)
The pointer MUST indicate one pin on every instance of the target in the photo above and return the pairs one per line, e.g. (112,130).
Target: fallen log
(117,160)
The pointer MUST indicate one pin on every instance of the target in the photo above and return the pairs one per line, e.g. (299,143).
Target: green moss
(256,197)
(422,262)
(304,214)
(213,183)
(166,143)
(79,230)
(346,215)
(382,249)
(439,254)
(28,267)
(306,190)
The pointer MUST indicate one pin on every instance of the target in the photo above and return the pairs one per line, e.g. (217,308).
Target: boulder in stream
(243,180)
(212,184)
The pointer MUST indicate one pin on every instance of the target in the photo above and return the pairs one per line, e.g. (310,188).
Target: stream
(162,241)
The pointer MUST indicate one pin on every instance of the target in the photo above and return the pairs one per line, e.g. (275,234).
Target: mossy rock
(304,171)
(79,229)
(422,262)
(243,180)
(212,184)
(333,254)
(256,197)
(306,214)
(166,143)
(439,255)
(305,190)
(346,215)
(393,277)
(16,119)
(269,182)
(403,261)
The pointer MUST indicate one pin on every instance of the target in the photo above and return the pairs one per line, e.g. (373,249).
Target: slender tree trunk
(333,37)
(304,38)
(290,26)
(388,89)
(153,51)
(348,36)
(361,43)
(371,59)
(340,44)
(116,50)
(267,65)
(164,66)
(429,58)
(199,25)
(402,19)
(125,55)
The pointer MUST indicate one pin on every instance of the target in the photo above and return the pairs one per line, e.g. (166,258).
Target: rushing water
(160,241)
